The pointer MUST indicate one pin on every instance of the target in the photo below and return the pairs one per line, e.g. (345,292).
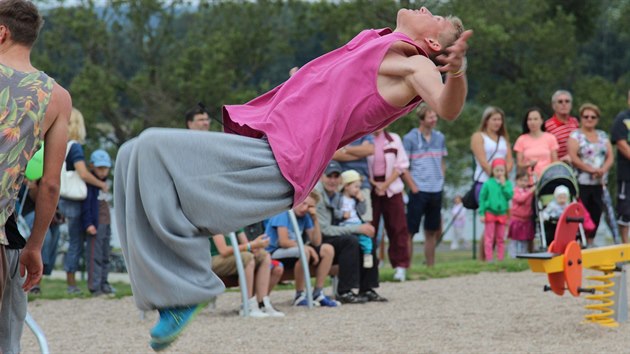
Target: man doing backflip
(174,187)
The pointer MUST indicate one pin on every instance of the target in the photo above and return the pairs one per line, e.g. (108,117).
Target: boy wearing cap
(96,220)
(350,211)
(494,203)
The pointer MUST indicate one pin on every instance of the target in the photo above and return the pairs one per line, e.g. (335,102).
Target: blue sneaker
(158,347)
(300,300)
(325,301)
(171,323)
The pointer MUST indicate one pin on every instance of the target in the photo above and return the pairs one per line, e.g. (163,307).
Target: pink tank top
(330,102)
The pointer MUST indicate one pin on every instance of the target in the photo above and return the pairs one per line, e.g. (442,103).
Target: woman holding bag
(490,142)
(71,209)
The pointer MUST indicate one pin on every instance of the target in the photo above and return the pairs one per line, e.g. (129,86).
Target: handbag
(469,200)
(72,187)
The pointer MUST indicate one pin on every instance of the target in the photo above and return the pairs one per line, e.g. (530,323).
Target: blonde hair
(447,39)
(590,107)
(315,195)
(76,127)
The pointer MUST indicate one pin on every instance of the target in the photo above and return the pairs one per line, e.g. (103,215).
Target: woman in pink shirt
(385,167)
(535,149)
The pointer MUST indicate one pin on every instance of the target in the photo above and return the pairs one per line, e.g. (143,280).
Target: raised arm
(419,76)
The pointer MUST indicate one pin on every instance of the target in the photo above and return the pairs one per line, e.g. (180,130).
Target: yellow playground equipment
(565,260)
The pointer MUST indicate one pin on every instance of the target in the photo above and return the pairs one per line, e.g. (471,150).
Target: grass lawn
(448,264)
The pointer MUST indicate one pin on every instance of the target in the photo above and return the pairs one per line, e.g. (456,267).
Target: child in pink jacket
(521,231)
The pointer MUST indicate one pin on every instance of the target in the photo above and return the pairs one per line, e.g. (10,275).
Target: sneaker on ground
(172,322)
(108,289)
(400,274)
(268,308)
(373,296)
(158,347)
(73,290)
(325,301)
(303,301)
(368,260)
(254,310)
(350,298)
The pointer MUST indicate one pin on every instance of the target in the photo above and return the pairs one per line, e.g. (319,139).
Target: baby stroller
(556,174)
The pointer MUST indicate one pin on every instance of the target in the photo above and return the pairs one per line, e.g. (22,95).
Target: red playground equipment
(565,261)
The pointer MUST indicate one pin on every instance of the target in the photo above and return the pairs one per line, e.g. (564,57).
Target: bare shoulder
(59,108)
(60,103)
(476,137)
(402,59)
(403,75)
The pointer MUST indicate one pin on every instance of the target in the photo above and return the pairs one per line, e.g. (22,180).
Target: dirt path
(489,312)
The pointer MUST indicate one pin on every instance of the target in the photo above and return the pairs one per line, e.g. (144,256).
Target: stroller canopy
(557,174)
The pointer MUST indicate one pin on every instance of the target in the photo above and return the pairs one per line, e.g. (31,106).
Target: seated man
(283,247)
(257,265)
(347,251)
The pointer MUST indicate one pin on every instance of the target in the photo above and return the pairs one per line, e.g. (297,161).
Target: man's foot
(171,323)
(108,289)
(351,298)
(400,274)
(73,290)
(254,310)
(373,296)
(325,301)
(156,346)
(268,308)
(301,300)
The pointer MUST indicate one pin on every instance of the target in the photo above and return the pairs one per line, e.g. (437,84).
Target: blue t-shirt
(425,159)
(282,220)
(75,154)
(360,165)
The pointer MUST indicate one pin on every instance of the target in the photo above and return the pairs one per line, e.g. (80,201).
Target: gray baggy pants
(173,189)
(13,313)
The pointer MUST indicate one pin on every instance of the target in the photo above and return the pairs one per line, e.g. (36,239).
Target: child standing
(459,222)
(353,205)
(96,221)
(494,200)
(521,230)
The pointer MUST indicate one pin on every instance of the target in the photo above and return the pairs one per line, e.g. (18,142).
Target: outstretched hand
(453,58)
(31,265)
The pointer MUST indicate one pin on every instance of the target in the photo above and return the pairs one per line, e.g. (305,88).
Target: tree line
(133,64)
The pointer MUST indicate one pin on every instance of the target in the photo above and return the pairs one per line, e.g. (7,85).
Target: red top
(561,131)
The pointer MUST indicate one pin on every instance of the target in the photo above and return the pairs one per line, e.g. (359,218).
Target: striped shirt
(425,159)
(561,131)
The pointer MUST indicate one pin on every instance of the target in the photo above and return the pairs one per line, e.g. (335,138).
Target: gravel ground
(488,312)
